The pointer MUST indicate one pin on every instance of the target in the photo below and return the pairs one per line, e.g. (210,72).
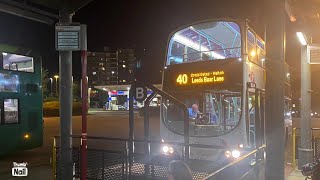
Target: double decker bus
(21,123)
(217,69)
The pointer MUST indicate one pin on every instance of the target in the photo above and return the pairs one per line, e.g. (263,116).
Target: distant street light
(56,77)
(301,38)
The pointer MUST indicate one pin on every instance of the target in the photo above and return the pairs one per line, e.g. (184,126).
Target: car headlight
(235,153)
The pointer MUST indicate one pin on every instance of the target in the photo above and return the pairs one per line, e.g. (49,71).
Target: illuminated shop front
(118,97)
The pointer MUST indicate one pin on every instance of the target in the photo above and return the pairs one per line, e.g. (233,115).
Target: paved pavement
(294,174)
(100,123)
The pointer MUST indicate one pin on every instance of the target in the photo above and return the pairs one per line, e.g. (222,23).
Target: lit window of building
(110,67)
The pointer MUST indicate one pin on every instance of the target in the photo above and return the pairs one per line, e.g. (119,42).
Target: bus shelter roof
(44,11)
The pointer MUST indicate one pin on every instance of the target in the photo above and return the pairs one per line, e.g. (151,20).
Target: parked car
(121,108)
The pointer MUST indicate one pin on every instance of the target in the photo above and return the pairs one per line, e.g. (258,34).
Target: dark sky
(142,24)
(147,24)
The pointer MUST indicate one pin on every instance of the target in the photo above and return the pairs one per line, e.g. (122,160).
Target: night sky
(141,25)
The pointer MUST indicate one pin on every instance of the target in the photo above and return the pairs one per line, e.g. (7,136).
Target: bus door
(256,118)
(259,118)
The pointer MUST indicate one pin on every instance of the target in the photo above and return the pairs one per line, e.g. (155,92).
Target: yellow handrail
(294,147)
(54,158)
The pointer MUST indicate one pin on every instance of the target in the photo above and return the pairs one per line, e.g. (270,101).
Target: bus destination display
(210,77)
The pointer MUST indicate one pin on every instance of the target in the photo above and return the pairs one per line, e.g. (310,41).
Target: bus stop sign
(68,37)
(140,92)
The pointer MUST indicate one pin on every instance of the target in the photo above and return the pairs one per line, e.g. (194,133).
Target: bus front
(204,70)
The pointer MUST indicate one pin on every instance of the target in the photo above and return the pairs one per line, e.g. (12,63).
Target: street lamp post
(305,149)
(56,77)
(51,81)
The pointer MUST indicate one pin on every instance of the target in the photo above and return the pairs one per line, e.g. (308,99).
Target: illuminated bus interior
(205,41)
(210,113)
(16,62)
(9,82)
(11,111)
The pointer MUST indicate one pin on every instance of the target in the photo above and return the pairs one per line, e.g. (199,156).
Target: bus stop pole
(84,102)
(65,68)
(131,130)
(275,48)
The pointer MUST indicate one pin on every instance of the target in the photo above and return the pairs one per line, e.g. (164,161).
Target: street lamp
(305,149)
(302,38)
(56,77)
(51,81)
(112,73)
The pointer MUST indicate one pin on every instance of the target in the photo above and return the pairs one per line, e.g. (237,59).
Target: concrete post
(275,129)
(305,148)
(65,67)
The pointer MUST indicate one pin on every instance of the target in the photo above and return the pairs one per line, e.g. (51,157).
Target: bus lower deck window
(11,111)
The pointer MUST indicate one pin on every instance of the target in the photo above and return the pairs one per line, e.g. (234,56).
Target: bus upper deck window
(17,62)
(205,41)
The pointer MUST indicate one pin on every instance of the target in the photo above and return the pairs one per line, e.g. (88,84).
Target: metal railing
(315,135)
(258,161)
(127,158)
(109,159)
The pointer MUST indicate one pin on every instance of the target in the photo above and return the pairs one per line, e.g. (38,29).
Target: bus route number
(182,79)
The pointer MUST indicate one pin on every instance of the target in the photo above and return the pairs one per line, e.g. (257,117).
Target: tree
(45,82)
(76,90)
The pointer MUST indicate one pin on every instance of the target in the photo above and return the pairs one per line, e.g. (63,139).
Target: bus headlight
(235,153)
(227,154)
(166,149)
